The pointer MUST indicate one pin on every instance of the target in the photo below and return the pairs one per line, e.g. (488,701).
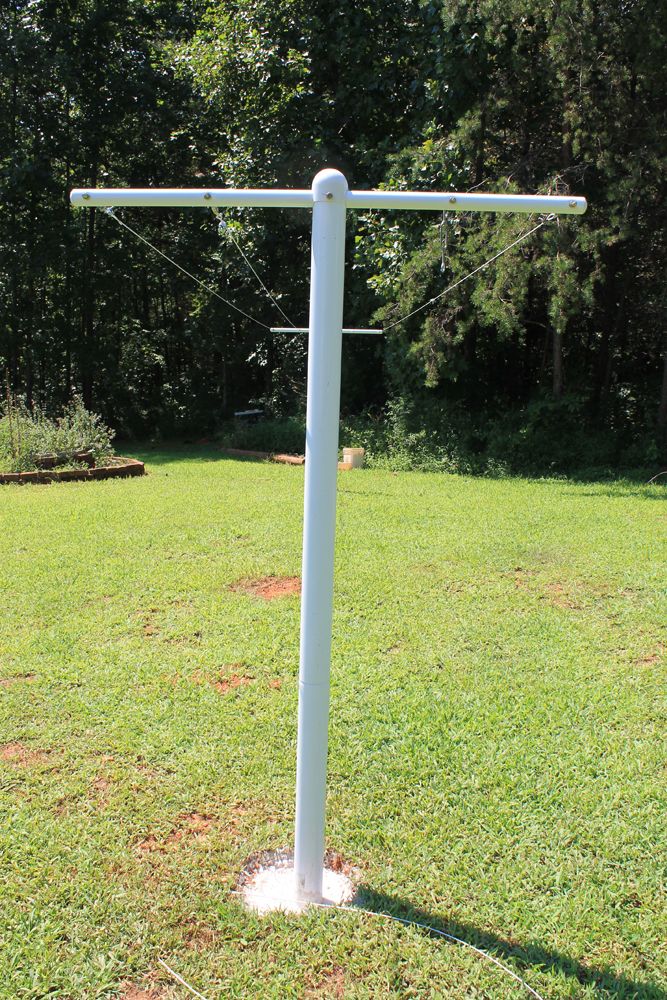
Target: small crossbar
(304,329)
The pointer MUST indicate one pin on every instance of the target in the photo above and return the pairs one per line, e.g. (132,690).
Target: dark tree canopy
(563,334)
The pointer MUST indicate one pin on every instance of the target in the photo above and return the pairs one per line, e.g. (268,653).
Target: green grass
(497,736)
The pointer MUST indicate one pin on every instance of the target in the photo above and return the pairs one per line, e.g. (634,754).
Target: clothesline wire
(385,329)
(223,227)
(404,921)
(202,284)
(450,288)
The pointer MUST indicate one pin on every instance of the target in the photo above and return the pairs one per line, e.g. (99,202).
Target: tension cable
(224,228)
(202,284)
(465,277)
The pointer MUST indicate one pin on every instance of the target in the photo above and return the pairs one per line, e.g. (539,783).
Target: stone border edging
(130,467)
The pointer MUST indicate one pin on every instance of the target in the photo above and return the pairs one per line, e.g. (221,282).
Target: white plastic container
(354,457)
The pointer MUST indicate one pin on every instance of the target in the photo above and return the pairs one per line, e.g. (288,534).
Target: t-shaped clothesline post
(329,200)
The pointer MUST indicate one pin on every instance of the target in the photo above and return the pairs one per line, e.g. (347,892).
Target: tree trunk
(88,310)
(613,320)
(557,380)
(481,148)
(662,408)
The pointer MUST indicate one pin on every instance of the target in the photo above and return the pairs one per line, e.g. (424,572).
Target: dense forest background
(553,358)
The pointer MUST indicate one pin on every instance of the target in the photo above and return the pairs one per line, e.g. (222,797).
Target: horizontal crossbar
(191,197)
(303,198)
(304,329)
(440,201)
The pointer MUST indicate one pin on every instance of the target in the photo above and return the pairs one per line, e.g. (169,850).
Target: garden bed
(119,469)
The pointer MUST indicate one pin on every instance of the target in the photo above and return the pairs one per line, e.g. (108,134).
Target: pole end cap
(330,185)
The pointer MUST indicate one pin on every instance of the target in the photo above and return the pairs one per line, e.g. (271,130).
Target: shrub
(406,437)
(26,433)
(544,437)
(279,435)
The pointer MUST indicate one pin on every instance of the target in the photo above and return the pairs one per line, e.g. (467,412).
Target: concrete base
(271,885)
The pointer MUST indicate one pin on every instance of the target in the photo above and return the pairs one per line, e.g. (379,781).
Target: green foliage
(528,103)
(400,440)
(515,96)
(16,436)
(551,436)
(546,437)
(26,434)
(275,436)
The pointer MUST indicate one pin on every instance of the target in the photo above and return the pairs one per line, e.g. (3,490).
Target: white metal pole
(329,198)
(319,524)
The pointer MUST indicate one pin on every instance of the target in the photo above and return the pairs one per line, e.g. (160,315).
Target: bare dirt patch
(92,602)
(21,755)
(332,984)
(232,682)
(229,678)
(153,626)
(100,789)
(521,577)
(337,863)
(651,658)
(148,619)
(17,679)
(268,587)
(185,640)
(197,935)
(189,827)
(137,993)
(242,816)
(275,683)
(560,597)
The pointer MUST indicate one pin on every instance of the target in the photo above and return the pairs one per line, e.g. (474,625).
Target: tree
(509,96)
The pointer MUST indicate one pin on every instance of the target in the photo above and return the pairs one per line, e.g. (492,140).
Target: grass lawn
(497,755)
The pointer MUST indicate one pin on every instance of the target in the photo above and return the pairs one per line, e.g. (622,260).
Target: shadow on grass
(623,491)
(524,957)
(160,455)
(605,482)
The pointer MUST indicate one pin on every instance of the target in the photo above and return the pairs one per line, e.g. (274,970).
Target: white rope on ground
(424,927)
(449,937)
(386,916)
(179,979)
(110,212)
(481,267)
(224,228)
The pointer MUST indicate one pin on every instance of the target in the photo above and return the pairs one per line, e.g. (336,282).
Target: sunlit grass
(497,755)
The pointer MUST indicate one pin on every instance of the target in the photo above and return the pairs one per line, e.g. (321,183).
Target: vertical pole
(319,524)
